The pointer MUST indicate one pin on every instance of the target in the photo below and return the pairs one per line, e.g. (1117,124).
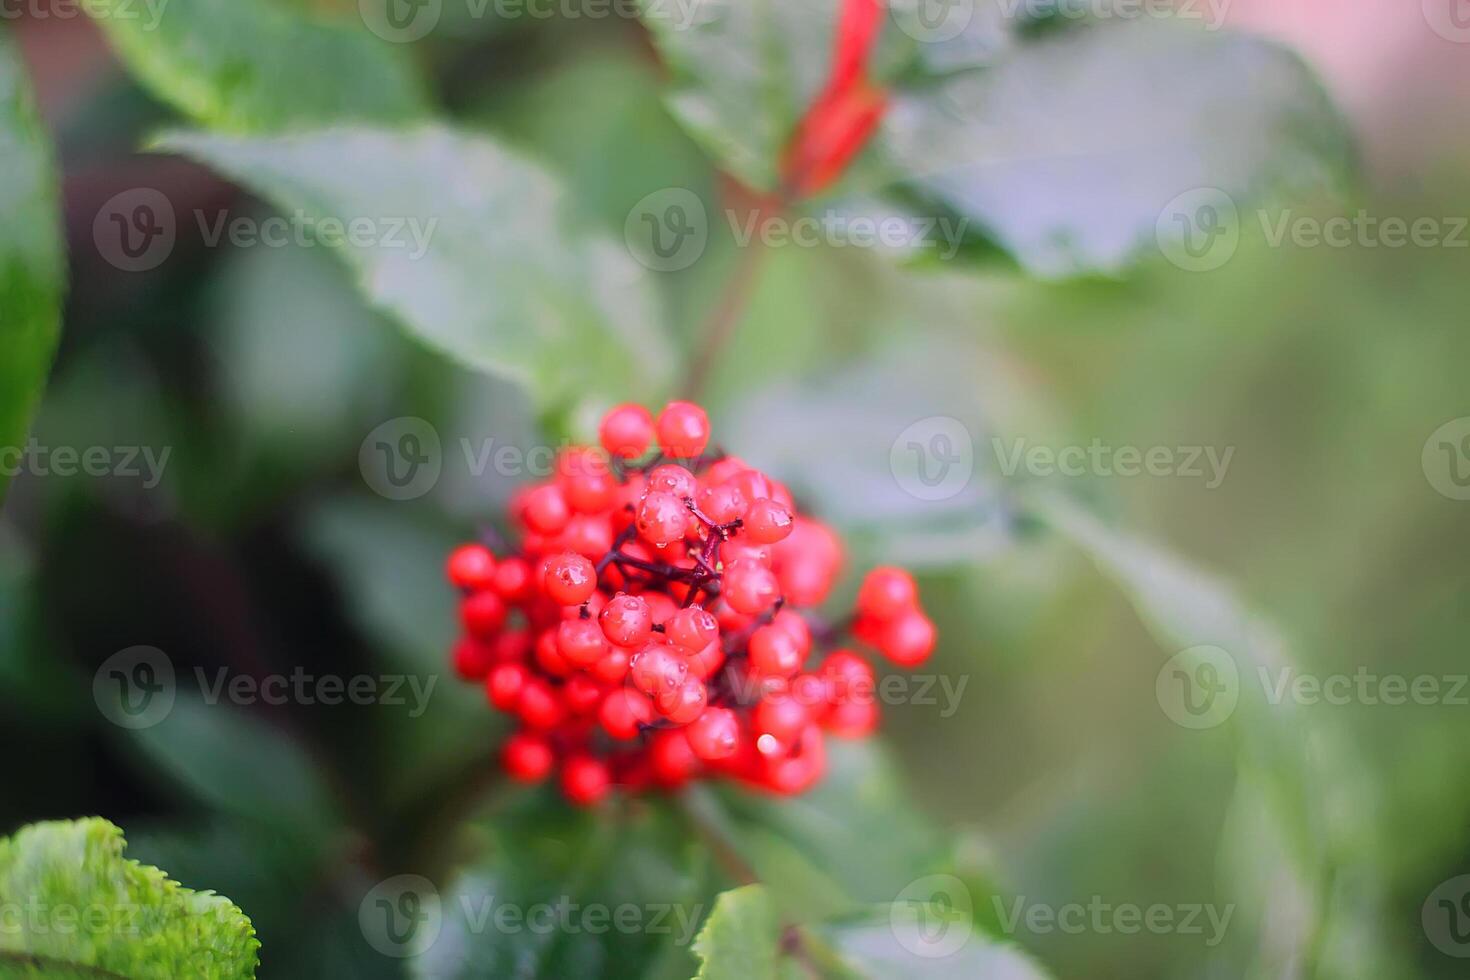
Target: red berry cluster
(647,631)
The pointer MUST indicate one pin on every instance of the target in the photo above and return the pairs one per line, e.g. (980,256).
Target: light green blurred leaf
(859,442)
(84,909)
(860,800)
(231,760)
(473,251)
(1072,150)
(32,265)
(1293,850)
(257,65)
(635,866)
(739,938)
(745,71)
(874,949)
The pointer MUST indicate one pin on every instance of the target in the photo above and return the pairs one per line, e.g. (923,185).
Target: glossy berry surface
(657,622)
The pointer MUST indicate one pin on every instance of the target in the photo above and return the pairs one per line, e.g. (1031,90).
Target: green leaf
(1299,815)
(32,264)
(240,765)
(883,947)
(837,826)
(249,66)
(739,939)
(1072,150)
(744,72)
(625,886)
(86,911)
(471,249)
(855,451)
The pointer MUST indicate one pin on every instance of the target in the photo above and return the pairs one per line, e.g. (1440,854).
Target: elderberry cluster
(647,631)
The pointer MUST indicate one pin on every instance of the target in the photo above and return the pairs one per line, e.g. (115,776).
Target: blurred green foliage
(1321,828)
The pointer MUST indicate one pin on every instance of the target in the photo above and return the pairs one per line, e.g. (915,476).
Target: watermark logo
(1446,459)
(401,21)
(933,459)
(402,458)
(931,21)
(933,917)
(1198,688)
(402,916)
(1450,19)
(1199,230)
(135,688)
(1446,917)
(667,230)
(135,231)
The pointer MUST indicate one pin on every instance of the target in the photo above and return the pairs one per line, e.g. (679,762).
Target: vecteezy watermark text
(149,12)
(138,229)
(136,688)
(130,462)
(406,21)
(1097,458)
(1101,917)
(404,915)
(669,230)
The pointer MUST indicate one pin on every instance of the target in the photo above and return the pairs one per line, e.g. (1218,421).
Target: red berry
(626,431)
(853,720)
(626,620)
(908,639)
(545,509)
(722,504)
(750,587)
(683,430)
(513,580)
(662,518)
(766,521)
(527,757)
(777,722)
(623,713)
(483,614)
(613,666)
(581,641)
(714,734)
(693,628)
(582,693)
(589,535)
(510,645)
(503,685)
(471,566)
(585,780)
(704,663)
(671,757)
(586,480)
(672,478)
(570,579)
(549,658)
(775,652)
(887,592)
(684,703)
(472,658)
(656,668)
(538,704)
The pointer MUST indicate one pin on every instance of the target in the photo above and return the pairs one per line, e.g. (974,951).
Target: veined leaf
(1081,149)
(469,246)
(740,937)
(86,911)
(259,66)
